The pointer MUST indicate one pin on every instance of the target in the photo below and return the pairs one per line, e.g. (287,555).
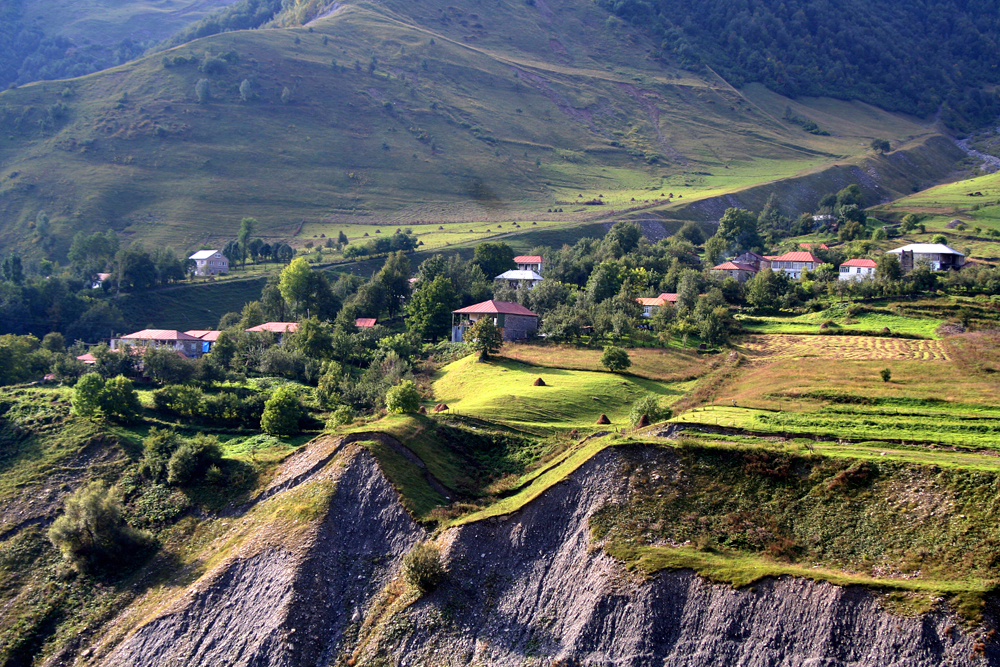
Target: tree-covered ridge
(917,57)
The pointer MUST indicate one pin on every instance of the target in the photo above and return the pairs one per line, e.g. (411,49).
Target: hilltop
(407,114)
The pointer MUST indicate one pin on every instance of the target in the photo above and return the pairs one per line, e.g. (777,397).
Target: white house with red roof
(857,269)
(795,263)
(529,263)
(669,298)
(514,320)
(188,345)
(736,270)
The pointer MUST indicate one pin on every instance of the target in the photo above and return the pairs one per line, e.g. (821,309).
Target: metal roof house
(529,263)
(189,346)
(736,270)
(514,320)
(795,263)
(937,256)
(515,278)
(857,269)
(209,263)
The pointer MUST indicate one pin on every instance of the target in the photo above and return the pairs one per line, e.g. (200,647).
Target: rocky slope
(526,589)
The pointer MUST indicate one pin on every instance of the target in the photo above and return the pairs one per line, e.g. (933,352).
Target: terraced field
(768,348)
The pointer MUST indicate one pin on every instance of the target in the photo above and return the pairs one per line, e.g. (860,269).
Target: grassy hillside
(396,115)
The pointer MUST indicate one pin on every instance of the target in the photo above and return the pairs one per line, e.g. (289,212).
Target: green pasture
(809,323)
(958,426)
(502,391)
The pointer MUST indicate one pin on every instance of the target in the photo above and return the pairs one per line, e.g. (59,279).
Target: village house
(758,262)
(529,263)
(209,263)
(795,263)
(650,305)
(514,320)
(669,298)
(365,322)
(185,344)
(857,269)
(516,277)
(207,338)
(279,329)
(735,270)
(99,280)
(937,256)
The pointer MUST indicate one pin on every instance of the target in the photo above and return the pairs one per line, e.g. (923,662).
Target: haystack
(422,410)
(643,421)
(540,383)
(440,407)
(603,419)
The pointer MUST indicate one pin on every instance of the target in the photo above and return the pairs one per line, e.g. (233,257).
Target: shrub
(203,91)
(120,401)
(939,238)
(404,397)
(281,413)
(342,416)
(886,374)
(158,448)
(649,405)
(615,359)
(91,533)
(422,567)
(86,399)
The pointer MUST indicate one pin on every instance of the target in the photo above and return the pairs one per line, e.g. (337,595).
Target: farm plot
(766,348)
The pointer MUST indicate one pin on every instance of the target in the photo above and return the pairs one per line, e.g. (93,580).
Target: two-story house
(210,263)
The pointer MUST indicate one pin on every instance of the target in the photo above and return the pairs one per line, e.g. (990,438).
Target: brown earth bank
(526,589)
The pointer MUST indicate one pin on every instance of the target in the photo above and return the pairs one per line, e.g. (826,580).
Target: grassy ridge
(461,119)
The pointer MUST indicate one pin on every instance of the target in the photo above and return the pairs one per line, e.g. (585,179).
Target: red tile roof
(860,262)
(365,322)
(528,259)
(495,307)
(651,301)
(158,334)
(818,246)
(87,358)
(669,297)
(206,335)
(277,327)
(797,257)
(734,266)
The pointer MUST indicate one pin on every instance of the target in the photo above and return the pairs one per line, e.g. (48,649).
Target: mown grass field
(503,391)
(810,323)
(662,364)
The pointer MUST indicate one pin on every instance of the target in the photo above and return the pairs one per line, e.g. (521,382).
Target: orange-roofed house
(207,337)
(188,345)
(365,322)
(857,269)
(650,305)
(279,329)
(795,263)
(736,270)
(813,246)
(276,327)
(669,298)
(529,263)
(514,320)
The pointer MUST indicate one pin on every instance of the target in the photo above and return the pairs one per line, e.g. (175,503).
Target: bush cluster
(225,407)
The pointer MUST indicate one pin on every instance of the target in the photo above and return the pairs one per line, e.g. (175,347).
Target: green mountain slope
(400,113)
(921,57)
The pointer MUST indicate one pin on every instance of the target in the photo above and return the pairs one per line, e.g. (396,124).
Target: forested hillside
(917,57)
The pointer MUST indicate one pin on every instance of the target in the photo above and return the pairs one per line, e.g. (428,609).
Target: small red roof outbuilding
(669,297)
(205,335)
(365,322)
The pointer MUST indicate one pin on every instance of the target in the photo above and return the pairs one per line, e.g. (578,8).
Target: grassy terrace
(504,392)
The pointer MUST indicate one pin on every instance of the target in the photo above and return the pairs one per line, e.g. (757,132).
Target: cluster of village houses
(517,322)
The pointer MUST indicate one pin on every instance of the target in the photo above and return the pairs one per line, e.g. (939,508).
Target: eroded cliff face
(527,589)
